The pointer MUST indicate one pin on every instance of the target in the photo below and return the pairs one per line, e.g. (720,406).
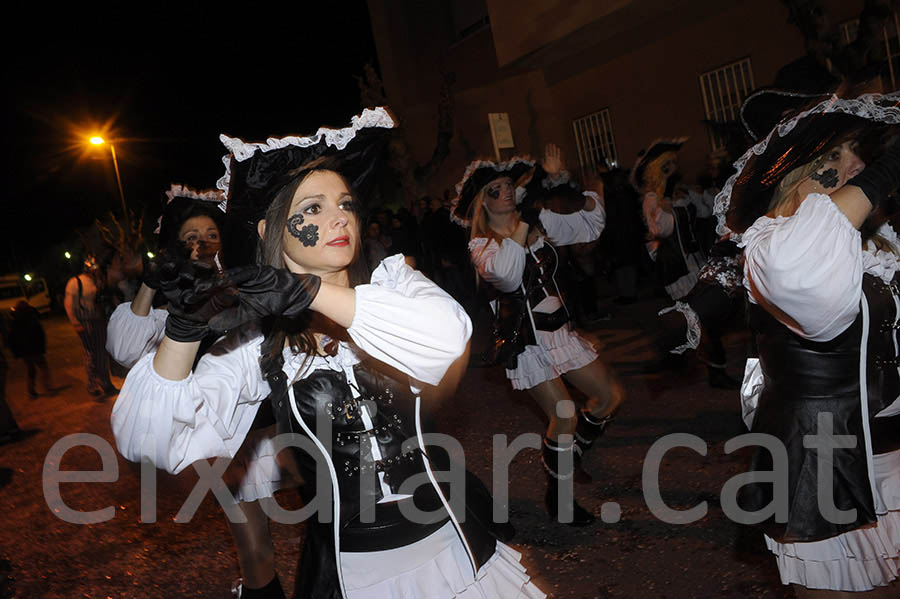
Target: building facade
(600,79)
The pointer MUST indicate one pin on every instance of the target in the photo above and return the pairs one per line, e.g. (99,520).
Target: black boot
(589,429)
(272,590)
(719,379)
(559,461)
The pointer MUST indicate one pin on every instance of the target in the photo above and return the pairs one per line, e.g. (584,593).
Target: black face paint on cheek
(293,225)
(309,235)
(828,178)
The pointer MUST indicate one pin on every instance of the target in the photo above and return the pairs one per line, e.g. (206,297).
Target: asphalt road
(637,556)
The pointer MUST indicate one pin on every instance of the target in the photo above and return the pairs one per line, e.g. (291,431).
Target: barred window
(724,90)
(595,141)
(890,72)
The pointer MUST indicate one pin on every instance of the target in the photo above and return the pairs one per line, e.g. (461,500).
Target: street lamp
(97,141)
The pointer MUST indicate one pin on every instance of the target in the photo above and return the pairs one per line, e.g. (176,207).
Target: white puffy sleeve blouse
(401,318)
(502,264)
(806,269)
(129,337)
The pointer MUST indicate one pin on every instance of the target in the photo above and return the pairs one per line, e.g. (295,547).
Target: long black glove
(163,271)
(266,291)
(195,296)
(881,177)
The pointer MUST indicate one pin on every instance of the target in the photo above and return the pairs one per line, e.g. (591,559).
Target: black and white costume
(824,309)
(672,241)
(131,337)
(554,348)
(841,313)
(365,431)
(403,320)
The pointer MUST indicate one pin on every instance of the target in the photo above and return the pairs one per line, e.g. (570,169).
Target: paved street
(638,556)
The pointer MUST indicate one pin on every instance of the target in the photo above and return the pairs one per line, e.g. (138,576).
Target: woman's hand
(262,291)
(195,297)
(553,162)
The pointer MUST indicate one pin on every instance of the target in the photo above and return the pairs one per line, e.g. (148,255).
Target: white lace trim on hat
(337,138)
(497,166)
(177,190)
(875,107)
(774,92)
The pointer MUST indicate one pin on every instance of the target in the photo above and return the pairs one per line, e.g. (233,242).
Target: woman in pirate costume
(671,240)
(512,248)
(697,320)
(193,221)
(821,273)
(350,397)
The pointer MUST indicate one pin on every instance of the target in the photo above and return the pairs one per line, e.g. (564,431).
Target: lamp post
(97,141)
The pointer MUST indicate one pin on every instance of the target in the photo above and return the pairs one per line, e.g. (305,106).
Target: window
(724,90)
(595,141)
(890,72)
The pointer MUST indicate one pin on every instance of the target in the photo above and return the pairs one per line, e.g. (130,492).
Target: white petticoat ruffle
(855,561)
(683,285)
(692,340)
(557,352)
(262,476)
(436,567)
(883,264)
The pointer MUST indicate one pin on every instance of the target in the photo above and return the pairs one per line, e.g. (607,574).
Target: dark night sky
(168,79)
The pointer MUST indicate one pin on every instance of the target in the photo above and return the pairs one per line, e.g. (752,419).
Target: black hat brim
(514,169)
(810,138)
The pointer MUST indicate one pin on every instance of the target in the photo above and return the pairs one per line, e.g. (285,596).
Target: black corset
(804,379)
(538,277)
(325,400)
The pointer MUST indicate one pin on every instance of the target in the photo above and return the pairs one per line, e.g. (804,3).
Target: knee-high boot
(560,463)
(589,429)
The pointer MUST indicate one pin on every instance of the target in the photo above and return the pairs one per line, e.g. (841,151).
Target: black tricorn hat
(256,172)
(656,149)
(792,143)
(478,174)
(796,85)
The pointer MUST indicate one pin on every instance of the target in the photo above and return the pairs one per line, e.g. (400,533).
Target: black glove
(881,177)
(164,271)
(195,294)
(266,291)
(150,274)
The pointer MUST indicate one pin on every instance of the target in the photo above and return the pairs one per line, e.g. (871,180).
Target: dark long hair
(270,251)
(181,209)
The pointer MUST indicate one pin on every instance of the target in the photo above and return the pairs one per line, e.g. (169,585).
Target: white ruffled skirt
(859,560)
(556,353)
(436,567)
(262,476)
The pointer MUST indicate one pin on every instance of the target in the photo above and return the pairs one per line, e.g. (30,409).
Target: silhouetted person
(27,341)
